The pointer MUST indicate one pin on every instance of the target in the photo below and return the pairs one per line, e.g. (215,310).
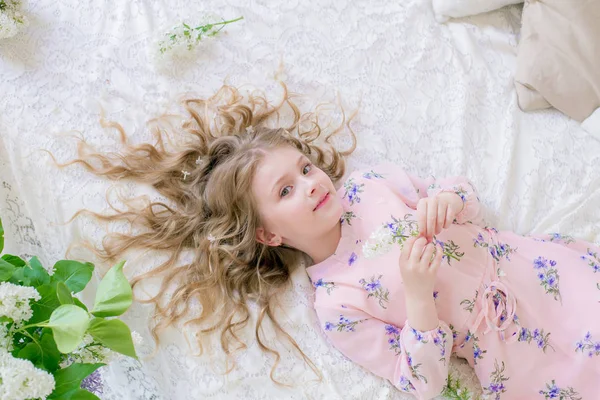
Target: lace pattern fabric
(435,98)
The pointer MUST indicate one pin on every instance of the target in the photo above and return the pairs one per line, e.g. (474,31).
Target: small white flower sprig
(11,18)
(183,38)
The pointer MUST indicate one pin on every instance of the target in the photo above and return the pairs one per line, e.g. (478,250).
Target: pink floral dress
(524,311)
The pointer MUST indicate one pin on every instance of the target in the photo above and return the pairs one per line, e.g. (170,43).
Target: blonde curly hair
(208,180)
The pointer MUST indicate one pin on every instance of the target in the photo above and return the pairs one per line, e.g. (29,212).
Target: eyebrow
(282,177)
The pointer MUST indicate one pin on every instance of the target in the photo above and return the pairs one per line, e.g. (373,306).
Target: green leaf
(43,354)
(50,354)
(114,295)
(114,334)
(78,302)
(43,308)
(63,293)
(14,260)
(36,272)
(32,352)
(6,270)
(1,236)
(187,26)
(73,273)
(69,379)
(81,394)
(69,323)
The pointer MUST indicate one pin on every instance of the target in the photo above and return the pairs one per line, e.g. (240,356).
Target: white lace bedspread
(437,99)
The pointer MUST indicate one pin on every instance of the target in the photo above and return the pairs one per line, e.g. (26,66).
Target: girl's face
(296,200)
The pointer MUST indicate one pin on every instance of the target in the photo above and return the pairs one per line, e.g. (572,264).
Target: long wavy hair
(205,168)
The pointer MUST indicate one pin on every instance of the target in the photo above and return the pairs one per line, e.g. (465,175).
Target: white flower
(6,341)
(14,301)
(137,338)
(21,380)
(380,242)
(11,19)
(90,352)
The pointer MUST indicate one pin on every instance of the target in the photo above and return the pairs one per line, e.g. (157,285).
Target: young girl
(404,274)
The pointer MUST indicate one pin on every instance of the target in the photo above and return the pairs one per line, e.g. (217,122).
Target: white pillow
(446,9)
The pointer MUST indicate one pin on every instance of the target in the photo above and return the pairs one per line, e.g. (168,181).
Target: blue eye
(306,169)
(285,191)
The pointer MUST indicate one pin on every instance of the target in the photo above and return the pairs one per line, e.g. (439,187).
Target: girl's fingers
(427,257)
(442,211)
(431,217)
(408,245)
(437,260)
(450,215)
(417,249)
(422,216)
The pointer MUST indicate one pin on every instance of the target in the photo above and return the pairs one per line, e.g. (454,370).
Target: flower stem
(228,22)
(32,338)
(39,324)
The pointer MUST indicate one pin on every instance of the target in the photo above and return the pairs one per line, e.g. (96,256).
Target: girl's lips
(322,201)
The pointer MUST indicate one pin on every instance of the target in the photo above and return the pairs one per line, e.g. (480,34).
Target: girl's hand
(437,213)
(419,262)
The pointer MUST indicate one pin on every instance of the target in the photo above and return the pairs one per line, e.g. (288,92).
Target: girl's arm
(413,361)
(412,188)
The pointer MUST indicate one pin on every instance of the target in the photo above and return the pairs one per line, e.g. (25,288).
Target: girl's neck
(324,247)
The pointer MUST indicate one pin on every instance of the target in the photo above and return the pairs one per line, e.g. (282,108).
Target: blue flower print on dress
(374,289)
(477,351)
(394,338)
(588,345)
(371,174)
(593,260)
(450,250)
(454,332)
(469,305)
(352,191)
(393,232)
(329,286)
(402,229)
(557,238)
(405,384)
(418,336)
(497,251)
(343,325)
(352,259)
(459,190)
(414,368)
(554,392)
(497,379)
(439,339)
(548,276)
(347,217)
(538,336)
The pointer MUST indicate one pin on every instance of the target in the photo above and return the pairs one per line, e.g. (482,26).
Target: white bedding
(437,99)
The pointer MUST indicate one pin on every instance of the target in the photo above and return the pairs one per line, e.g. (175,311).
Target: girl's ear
(268,238)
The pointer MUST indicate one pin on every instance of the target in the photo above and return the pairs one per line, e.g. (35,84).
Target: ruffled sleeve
(413,361)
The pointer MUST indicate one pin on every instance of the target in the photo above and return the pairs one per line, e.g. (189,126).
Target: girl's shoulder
(380,171)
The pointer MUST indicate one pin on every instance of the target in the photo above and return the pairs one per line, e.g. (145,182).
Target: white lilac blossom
(380,242)
(91,352)
(6,341)
(182,40)
(395,231)
(11,18)
(21,380)
(14,301)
